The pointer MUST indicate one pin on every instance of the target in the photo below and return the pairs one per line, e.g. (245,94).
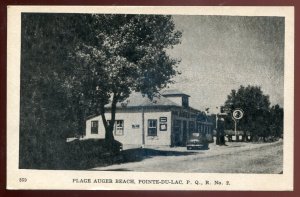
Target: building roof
(173,92)
(136,99)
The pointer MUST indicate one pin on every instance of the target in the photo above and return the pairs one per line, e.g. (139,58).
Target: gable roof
(136,99)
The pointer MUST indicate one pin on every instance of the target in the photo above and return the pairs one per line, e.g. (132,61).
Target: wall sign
(163,127)
(135,126)
(163,119)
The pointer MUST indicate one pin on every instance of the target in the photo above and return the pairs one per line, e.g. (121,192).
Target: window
(119,127)
(94,127)
(152,127)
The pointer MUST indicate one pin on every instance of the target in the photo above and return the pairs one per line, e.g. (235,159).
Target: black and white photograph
(151,100)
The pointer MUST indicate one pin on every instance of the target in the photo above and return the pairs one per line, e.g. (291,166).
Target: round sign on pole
(237,114)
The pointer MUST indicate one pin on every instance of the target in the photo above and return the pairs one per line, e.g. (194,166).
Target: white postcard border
(62,179)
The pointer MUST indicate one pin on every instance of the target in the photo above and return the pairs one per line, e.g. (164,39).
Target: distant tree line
(260,120)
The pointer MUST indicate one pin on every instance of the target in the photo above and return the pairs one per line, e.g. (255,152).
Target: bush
(77,154)
(83,154)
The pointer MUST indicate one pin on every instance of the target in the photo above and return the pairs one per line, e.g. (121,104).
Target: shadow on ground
(89,154)
(139,154)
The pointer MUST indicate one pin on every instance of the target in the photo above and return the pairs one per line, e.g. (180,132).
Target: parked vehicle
(197,141)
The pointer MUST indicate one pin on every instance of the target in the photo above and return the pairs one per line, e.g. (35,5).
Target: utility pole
(143,127)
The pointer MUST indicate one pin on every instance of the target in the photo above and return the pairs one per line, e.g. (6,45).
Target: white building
(165,120)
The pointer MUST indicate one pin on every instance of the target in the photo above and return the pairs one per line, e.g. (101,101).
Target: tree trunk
(80,122)
(109,137)
(80,118)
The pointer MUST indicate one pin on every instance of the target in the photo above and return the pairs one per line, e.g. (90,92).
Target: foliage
(128,56)
(73,64)
(276,121)
(89,153)
(46,114)
(259,118)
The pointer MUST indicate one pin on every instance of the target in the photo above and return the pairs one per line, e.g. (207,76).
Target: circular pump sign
(237,114)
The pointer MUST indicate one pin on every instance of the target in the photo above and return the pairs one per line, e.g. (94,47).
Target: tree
(256,107)
(128,56)
(276,121)
(48,110)
(73,65)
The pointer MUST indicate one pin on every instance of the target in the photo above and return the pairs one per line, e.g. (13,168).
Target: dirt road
(236,157)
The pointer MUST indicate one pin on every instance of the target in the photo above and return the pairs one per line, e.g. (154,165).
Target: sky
(221,53)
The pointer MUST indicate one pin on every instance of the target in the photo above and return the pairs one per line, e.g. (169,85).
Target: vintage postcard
(150,98)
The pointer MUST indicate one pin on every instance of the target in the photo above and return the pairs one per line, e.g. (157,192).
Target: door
(184,133)
(177,132)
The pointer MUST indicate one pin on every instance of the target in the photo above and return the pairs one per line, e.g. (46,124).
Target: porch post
(143,127)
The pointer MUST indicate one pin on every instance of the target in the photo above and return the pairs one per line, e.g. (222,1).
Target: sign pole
(235,127)
(237,114)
